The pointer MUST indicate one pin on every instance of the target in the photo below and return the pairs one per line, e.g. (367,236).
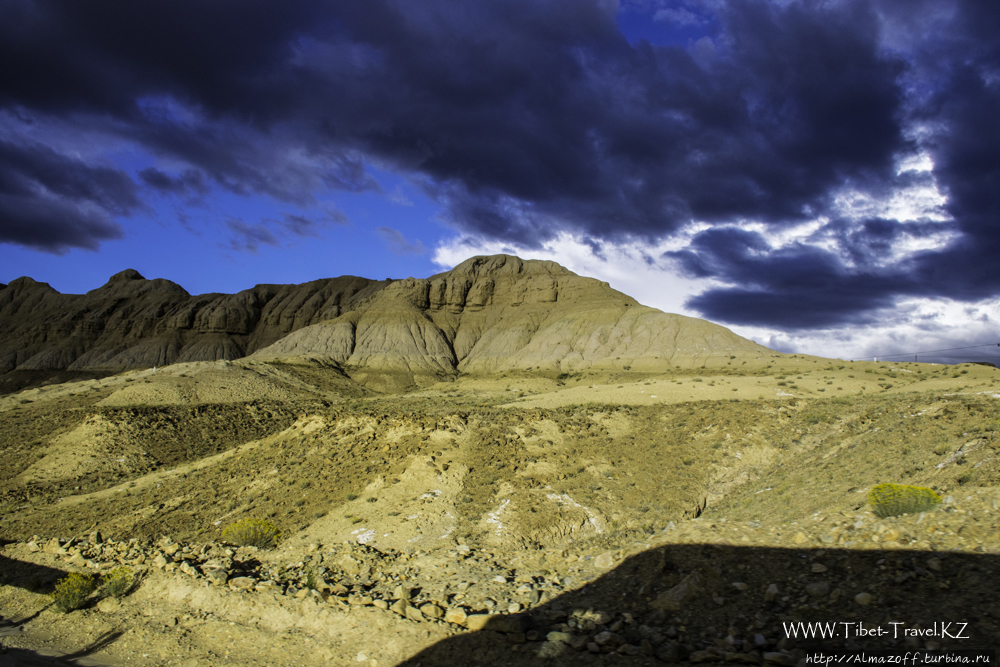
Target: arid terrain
(505,464)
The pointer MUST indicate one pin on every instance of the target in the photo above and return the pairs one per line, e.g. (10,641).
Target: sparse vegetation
(252,532)
(72,592)
(889,500)
(118,582)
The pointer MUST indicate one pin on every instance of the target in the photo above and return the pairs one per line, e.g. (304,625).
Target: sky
(822,176)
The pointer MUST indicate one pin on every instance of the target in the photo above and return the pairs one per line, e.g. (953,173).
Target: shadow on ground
(710,603)
(39,579)
(29,576)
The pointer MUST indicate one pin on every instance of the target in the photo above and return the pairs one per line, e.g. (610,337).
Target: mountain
(487,315)
(131,322)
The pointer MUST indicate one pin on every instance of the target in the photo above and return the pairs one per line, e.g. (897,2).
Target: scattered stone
(108,605)
(818,589)
(430,610)
(675,598)
(771,593)
(413,614)
(818,568)
(242,583)
(216,575)
(604,561)
(399,606)
(456,616)
(863,598)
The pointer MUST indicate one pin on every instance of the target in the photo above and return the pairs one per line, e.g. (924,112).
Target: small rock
(771,593)
(242,583)
(477,621)
(414,614)
(740,586)
(52,546)
(800,538)
(33,548)
(555,636)
(159,561)
(456,616)
(863,598)
(818,568)
(431,610)
(349,565)
(171,549)
(934,564)
(604,561)
(216,575)
(96,537)
(513,623)
(108,605)
(777,658)
(513,608)
(818,589)
(607,638)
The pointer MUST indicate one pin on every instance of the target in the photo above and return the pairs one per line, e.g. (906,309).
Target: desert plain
(504,464)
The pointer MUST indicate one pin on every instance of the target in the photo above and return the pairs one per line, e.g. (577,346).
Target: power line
(950,349)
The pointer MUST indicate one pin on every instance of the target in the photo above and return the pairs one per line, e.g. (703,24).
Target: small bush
(252,532)
(72,592)
(118,581)
(312,579)
(895,499)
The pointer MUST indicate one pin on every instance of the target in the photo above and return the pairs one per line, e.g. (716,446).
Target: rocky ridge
(131,322)
(487,315)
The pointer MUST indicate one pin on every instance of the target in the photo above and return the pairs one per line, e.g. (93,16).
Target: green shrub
(72,592)
(252,532)
(896,499)
(118,581)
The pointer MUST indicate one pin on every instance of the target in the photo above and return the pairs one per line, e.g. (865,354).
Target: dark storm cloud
(953,86)
(53,202)
(524,119)
(190,182)
(248,238)
(793,287)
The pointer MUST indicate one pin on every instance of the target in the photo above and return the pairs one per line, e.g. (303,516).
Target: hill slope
(487,315)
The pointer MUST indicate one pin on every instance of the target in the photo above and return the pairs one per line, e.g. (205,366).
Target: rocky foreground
(700,591)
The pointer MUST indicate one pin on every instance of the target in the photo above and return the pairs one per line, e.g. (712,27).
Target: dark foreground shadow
(40,579)
(29,576)
(711,604)
(16,657)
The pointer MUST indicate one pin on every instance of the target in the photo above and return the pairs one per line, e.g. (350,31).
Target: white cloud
(914,325)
